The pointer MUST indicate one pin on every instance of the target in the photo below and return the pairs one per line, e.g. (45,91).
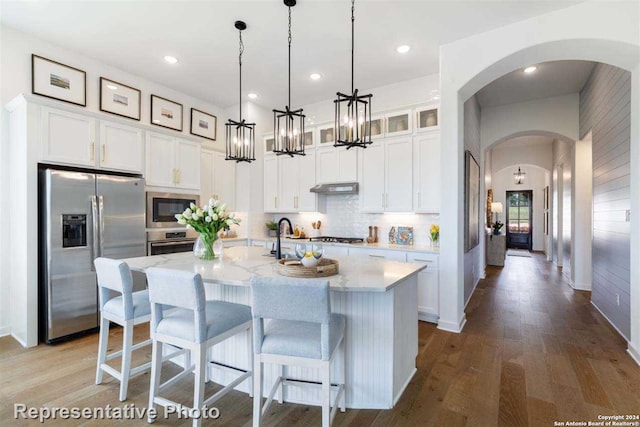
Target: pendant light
(240,135)
(352,124)
(518,177)
(288,124)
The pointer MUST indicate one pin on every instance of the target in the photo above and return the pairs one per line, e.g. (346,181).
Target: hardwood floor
(533,352)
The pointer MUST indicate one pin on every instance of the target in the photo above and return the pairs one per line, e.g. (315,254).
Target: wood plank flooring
(534,351)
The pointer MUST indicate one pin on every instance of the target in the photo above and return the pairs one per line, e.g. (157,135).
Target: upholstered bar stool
(181,317)
(300,331)
(126,309)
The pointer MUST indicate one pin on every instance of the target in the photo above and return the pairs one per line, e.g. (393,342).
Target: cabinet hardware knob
(104,153)
(92,150)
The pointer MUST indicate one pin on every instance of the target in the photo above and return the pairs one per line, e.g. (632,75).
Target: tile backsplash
(344,219)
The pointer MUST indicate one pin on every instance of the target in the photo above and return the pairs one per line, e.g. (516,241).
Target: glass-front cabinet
(269,143)
(325,135)
(399,123)
(428,118)
(377,126)
(309,137)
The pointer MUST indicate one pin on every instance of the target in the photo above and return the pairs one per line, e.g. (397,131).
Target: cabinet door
(399,175)
(224,180)
(306,180)
(288,173)
(347,164)
(372,195)
(326,165)
(188,165)
(160,160)
(427,118)
(68,138)
(399,123)
(325,135)
(121,147)
(427,172)
(269,143)
(271,184)
(206,176)
(428,294)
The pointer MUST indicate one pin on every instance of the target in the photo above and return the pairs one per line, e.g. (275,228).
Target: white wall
(594,31)
(15,72)
(535,179)
(553,116)
(508,154)
(583,201)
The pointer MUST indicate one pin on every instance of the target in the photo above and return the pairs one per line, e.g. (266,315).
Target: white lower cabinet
(428,286)
(234,243)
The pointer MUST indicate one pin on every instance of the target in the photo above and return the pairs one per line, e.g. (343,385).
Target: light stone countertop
(379,245)
(239,264)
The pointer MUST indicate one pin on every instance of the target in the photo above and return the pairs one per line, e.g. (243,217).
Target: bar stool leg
(201,371)
(326,393)
(257,391)
(127,343)
(343,376)
(156,369)
(280,392)
(250,359)
(102,347)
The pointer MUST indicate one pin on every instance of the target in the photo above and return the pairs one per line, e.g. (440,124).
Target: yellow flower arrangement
(434,232)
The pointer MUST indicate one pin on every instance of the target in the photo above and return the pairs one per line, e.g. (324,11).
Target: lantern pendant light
(352,124)
(240,135)
(518,177)
(288,124)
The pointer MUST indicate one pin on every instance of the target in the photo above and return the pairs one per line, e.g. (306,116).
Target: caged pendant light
(518,177)
(240,135)
(288,125)
(352,124)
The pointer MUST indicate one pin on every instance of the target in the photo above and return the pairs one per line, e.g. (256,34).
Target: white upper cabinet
(427,118)
(171,162)
(427,171)
(187,165)
(271,183)
(325,135)
(307,201)
(206,176)
(68,138)
(269,143)
(296,176)
(336,165)
(399,123)
(387,174)
(372,191)
(121,147)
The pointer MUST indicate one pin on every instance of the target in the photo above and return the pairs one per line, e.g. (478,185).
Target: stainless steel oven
(161,242)
(162,207)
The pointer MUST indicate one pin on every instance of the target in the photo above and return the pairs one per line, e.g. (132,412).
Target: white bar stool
(301,331)
(127,309)
(181,316)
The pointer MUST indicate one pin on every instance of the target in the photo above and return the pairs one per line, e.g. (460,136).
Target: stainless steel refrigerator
(84,216)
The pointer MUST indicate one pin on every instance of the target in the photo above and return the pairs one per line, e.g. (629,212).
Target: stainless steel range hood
(338,188)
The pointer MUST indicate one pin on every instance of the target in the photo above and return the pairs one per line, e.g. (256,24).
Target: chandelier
(352,124)
(518,177)
(240,135)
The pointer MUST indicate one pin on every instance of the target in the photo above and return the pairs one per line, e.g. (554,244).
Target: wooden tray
(326,267)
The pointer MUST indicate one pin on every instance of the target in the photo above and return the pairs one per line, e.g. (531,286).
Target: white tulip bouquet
(208,220)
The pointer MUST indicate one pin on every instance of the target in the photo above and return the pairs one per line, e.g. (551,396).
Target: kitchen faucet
(278,252)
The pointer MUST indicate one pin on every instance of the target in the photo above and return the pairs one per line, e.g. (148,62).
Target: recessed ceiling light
(530,70)
(171,59)
(112,87)
(403,48)
(252,95)
(315,76)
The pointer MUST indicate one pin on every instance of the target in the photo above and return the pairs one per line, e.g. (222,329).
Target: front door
(519,216)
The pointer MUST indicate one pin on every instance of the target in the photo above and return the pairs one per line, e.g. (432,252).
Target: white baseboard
(473,290)
(581,286)
(4,331)
(634,353)
(22,343)
(609,320)
(453,326)
(426,316)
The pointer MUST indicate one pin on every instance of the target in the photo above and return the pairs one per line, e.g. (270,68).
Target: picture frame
(166,113)
(471,202)
(59,81)
(203,124)
(120,99)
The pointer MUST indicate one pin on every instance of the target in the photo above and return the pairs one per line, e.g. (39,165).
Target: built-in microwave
(162,208)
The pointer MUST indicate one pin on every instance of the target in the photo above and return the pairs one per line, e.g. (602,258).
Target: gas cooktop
(330,239)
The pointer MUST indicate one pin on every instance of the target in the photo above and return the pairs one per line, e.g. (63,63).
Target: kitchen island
(378,298)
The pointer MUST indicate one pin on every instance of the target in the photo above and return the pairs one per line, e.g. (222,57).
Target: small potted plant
(496,226)
(272,226)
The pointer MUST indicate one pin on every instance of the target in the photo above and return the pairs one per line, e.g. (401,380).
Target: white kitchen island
(379,299)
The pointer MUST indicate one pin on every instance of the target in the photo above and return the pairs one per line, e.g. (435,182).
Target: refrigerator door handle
(101,222)
(94,226)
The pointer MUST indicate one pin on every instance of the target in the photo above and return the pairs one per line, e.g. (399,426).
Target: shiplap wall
(605,108)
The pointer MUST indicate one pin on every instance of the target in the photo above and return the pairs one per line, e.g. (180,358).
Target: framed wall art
(58,81)
(166,113)
(203,124)
(471,202)
(119,99)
